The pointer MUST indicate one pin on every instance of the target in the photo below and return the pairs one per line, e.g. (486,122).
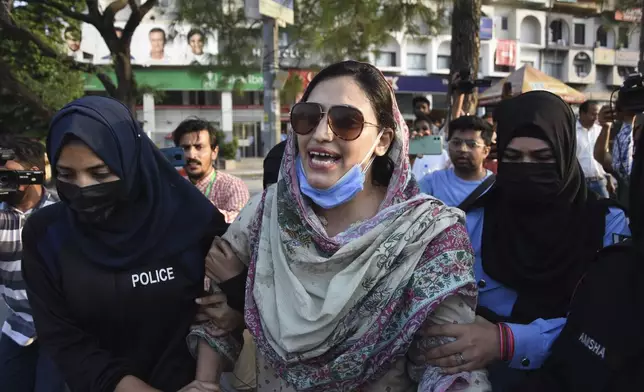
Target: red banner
(506,53)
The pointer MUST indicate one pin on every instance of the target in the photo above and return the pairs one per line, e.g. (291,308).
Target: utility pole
(270,67)
(640,64)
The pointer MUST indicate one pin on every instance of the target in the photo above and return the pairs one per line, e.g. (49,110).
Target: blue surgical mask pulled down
(345,189)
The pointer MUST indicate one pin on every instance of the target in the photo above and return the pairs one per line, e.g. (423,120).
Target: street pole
(270,66)
(640,63)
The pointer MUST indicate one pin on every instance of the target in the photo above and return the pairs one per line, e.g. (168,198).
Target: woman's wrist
(133,384)
(506,338)
(208,363)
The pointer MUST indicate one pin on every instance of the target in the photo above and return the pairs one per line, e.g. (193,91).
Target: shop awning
(528,78)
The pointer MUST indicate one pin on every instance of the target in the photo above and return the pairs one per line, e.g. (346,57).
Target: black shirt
(601,348)
(100,324)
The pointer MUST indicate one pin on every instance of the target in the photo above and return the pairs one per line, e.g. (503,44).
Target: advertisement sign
(626,58)
(152,44)
(168,79)
(604,56)
(418,84)
(486,30)
(631,15)
(281,10)
(506,53)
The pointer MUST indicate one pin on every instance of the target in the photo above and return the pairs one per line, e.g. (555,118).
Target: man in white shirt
(588,131)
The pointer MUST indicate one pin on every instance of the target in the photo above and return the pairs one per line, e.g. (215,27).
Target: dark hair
(195,32)
(377,89)
(472,123)
(29,152)
(584,107)
(158,30)
(73,30)
(422,99)
(195,124)
(425,118)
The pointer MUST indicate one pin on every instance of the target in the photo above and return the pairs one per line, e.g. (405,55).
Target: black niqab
(163,214)
(540,250)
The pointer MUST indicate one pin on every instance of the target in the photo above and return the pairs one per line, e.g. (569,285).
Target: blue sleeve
(425,185)
(532,342)
(623,151)
(616,223)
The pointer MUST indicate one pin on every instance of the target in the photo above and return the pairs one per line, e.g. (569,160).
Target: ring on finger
(460,359)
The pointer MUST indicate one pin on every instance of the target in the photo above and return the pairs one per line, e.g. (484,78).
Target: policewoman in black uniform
(113,270)
(601,348)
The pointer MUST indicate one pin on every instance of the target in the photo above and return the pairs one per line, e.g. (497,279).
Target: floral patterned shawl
(334,313)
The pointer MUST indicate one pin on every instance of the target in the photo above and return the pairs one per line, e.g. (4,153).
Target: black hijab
(540,227)
(162,215)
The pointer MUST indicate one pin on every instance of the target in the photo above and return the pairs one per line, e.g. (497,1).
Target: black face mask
(92,204)
(528,183)
(12,198)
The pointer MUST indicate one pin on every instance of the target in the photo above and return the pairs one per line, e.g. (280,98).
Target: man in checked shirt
(199,141)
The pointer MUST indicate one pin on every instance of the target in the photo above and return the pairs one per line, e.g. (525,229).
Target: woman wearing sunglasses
(346,260)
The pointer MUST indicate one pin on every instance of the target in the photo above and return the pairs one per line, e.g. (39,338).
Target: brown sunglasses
(346,122)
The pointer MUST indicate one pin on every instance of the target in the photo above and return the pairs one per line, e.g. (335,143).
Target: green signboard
(185,80)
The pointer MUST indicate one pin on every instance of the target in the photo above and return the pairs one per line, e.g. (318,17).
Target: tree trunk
(126,85)
(466,21)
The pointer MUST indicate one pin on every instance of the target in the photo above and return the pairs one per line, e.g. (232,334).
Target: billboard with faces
(152,44)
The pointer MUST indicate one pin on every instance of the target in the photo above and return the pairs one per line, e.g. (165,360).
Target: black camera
(466,84)
(631,94)
(11,180)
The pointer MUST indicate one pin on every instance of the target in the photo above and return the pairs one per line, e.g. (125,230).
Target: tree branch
(67,11)
(138,12)
(12,84)
(92,8)
(26,36)
(107,83)
(112,9)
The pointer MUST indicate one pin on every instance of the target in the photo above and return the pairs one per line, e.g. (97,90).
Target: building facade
(586,44)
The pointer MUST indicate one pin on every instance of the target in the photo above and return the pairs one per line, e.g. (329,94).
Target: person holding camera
(618,127)
(23,365)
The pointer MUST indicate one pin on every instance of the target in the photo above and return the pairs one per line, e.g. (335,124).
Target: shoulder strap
(476,193)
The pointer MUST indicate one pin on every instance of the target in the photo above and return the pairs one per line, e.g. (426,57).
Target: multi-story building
(586,44)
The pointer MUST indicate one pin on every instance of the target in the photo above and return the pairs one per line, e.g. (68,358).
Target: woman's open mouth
(322,160)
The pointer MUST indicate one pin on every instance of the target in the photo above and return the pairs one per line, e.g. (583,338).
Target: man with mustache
(198,138)
(469,140)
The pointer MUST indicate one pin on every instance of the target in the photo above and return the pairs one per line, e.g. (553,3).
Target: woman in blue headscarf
(113,270)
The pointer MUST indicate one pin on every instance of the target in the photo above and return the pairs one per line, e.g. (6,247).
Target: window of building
(443,61)
(173,98)
(386,59)
(580,34)
(553,64)
(602,37)
(556,30)
(603,73)
(417,61)
(245,98)
(625,71)
(504,23)
(581,62)
(623,39)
